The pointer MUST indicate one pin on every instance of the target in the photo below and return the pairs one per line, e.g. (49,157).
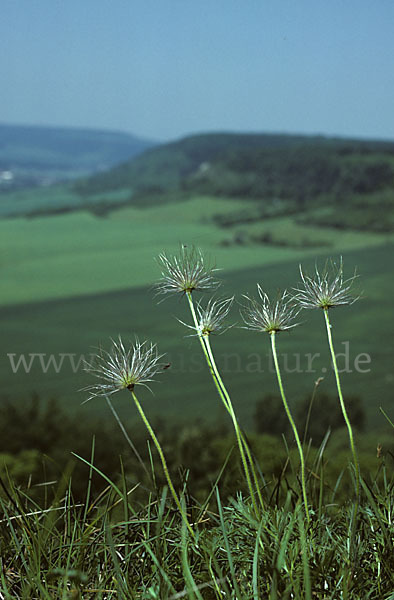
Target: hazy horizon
(196,133)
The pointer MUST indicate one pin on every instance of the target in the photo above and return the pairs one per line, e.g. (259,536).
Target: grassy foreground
(112,547)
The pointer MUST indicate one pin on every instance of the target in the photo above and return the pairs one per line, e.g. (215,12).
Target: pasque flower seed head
(268,316)
(121,369)
(326,289)
(186,272)
(210,319)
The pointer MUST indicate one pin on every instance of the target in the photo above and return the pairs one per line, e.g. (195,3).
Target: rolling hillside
(282,174)
(77,264)
(34,155)
(54,336)
(309,179)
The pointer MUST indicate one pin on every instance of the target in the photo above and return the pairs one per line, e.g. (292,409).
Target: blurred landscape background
(297,167)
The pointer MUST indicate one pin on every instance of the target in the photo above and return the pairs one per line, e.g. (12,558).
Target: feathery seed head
(326,289)
(186,272)
(121,369)
(210,319)
(271,317)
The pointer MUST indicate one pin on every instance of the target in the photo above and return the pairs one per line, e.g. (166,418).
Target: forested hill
(312,178)
(298,172)
(255,165)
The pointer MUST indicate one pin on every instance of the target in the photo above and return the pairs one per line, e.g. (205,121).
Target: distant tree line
(37,441)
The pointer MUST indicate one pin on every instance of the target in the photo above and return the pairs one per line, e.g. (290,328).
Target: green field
(79,253)
(77,266)
(84,515)
(70,282)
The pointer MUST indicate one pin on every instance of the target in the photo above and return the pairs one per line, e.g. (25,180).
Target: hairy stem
(291,420)
(163,461)
(225,397)
(343,407)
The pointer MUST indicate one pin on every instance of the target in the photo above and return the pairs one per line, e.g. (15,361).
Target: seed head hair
(326,289)
(210,319)
(186,272)
(267,316)
(120,369)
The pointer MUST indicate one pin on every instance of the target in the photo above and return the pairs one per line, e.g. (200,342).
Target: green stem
(308,416)
(243,446)
(291,420)
(200,337)
(163,461)
(343,407)
(227,402)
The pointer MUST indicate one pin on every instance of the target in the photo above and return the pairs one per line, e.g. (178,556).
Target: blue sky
(165,68)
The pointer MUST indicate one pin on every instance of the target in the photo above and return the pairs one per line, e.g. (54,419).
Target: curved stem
(204,340)
(163,461)
(291,420)
(343,407)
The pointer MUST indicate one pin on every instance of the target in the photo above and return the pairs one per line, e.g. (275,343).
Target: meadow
(82,514)
(71,282)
